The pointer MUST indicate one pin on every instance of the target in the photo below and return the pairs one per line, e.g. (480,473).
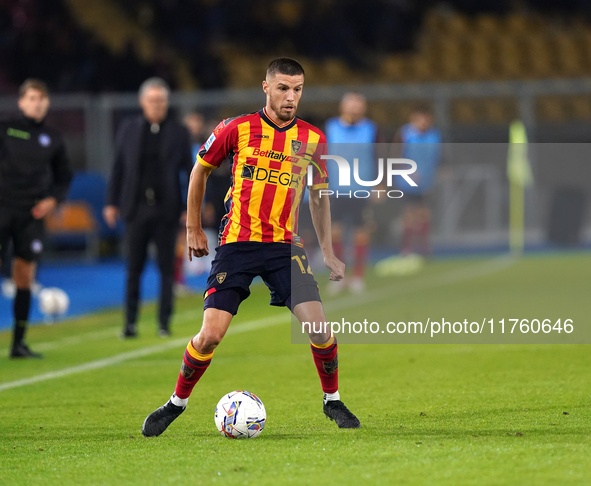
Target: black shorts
(349,210)
(278,264)
(25,231)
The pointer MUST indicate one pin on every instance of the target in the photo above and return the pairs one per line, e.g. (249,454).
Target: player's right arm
(219,145)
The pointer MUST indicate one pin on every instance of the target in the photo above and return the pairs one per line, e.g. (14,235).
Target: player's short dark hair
(285,65)
(33,83)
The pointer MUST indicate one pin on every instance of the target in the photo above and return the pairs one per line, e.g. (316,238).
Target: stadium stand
(42,38)
(208,44)
(476,40)
(125,37)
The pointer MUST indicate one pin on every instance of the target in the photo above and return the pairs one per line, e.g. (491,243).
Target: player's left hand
(196,243)
(43,207)
(336,267)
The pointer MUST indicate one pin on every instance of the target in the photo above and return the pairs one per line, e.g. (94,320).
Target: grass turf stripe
(456,275)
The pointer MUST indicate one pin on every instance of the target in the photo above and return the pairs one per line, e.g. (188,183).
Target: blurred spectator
(194,123)
(152,150)
(35,175)
(218,183)
(351,135)
(420,141)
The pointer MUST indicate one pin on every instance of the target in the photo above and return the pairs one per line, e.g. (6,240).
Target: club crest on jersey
(296,145)
(220,277)
(44,140)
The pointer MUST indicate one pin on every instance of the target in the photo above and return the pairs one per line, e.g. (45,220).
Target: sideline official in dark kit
(152,150)
(35,176)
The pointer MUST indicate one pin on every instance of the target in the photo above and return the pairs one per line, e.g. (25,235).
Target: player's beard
(285,117)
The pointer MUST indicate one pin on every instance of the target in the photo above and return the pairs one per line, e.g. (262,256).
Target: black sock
(22,304)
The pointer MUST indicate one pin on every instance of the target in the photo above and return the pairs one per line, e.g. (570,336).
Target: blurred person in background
(152,150)
(351,215)
(35,176)
(195,125)
(420,141)
(218,184)
(217,187)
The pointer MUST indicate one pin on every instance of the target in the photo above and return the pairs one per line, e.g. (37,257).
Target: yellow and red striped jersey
(269,167)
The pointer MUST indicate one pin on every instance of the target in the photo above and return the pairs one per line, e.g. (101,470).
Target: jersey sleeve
(220,144)
(319,172)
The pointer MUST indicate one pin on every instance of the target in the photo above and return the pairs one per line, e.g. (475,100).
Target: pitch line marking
(480,269)
(453,276)
(94,336)
(138,353)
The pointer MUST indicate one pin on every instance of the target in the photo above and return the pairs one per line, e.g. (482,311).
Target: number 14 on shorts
(304,266)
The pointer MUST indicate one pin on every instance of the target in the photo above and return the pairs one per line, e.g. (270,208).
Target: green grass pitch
(431,414)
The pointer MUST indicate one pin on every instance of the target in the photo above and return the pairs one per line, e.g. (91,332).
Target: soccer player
(258,234)
(34,177)
(420,141)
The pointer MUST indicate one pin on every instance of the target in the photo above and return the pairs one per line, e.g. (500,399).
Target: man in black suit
(144,189)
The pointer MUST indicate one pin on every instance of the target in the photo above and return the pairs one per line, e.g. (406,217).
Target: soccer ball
(240,414)
(53,301)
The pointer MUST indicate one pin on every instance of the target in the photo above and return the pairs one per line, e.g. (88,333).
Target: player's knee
(207,340)
(23,273)
(22,282)
(319,337)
